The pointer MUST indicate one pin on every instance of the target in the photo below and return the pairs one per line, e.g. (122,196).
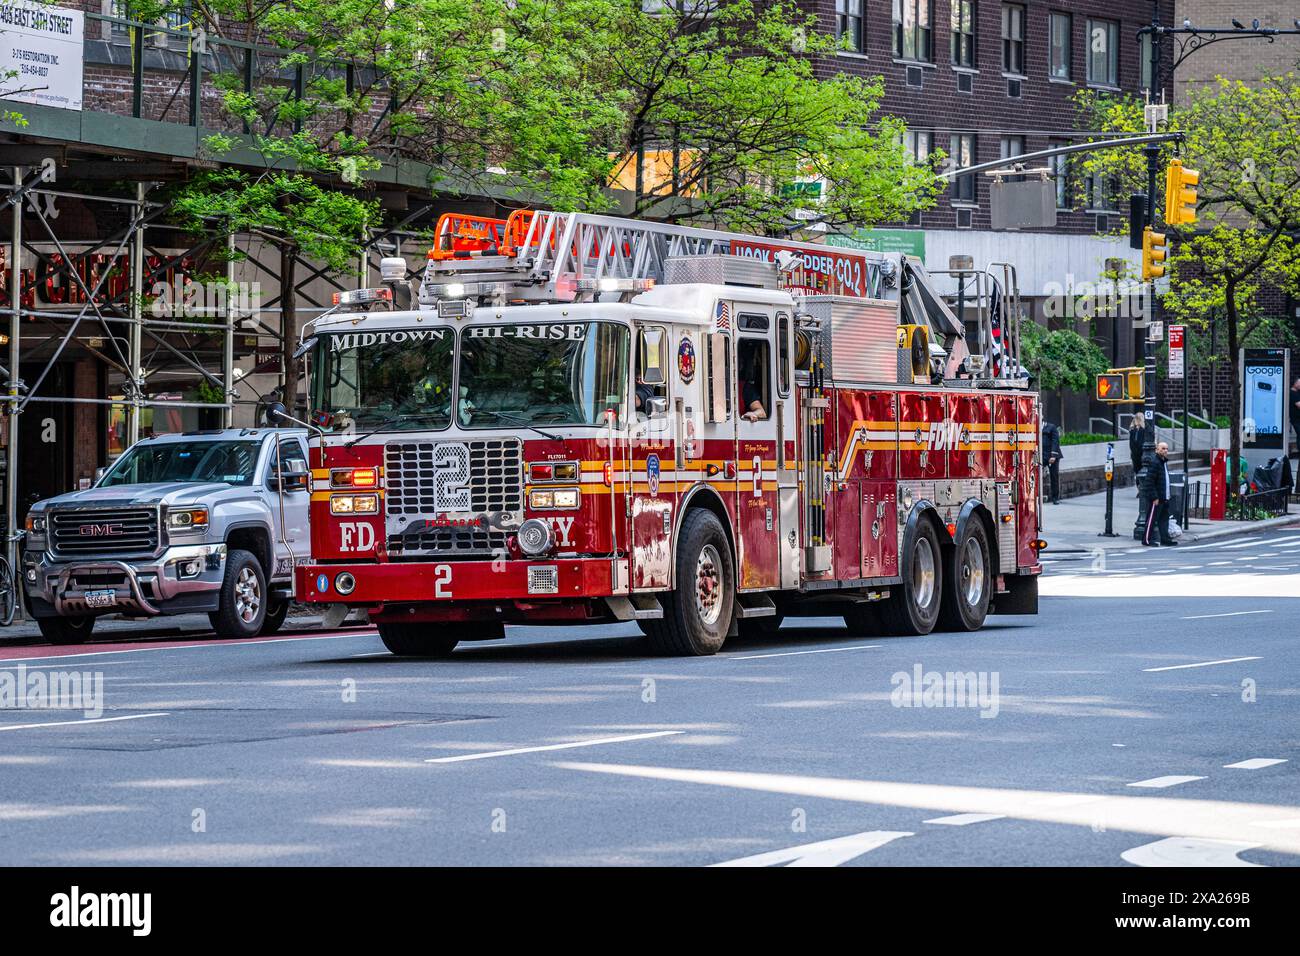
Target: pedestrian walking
(1158,492)
(1052,456)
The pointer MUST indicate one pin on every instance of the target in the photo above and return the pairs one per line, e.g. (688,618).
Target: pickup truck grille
(439,495)
(104,532)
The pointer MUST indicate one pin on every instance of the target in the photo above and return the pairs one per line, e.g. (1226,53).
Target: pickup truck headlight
(35,523)
(193,520)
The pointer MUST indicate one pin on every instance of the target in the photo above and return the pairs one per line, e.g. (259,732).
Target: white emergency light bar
(615,284)
(357,297)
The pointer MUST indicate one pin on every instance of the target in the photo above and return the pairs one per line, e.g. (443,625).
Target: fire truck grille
(440,496)
(104,532)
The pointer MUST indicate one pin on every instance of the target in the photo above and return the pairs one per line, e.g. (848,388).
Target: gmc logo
(99,530)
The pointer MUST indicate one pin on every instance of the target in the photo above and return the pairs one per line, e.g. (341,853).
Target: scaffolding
(110,310)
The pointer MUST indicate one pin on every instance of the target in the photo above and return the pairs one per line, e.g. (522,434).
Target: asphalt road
(1149,715)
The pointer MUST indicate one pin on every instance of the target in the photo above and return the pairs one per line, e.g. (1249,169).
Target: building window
(848,25)
(1100,193)
(963,33)
(919,144)
(1013,38)
(912,29)
(1103,53)
(1144,60)
(1012,146)
(1060,166)
(960,155)
(1059,51)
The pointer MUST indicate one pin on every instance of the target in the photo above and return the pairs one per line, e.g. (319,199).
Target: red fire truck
(586,419)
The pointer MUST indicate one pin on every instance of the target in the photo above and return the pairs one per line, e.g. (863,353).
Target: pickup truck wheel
(243,597)
(275,615)
(697,613)
(416,640)
(66,630)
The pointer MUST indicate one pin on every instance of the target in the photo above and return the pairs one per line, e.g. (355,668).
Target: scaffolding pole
(15,328)
(228,343)
(135,382)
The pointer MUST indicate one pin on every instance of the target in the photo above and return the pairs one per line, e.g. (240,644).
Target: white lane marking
(201,645)
(1254,763)
(1188,851)
(965,819)
(70,723)
(823,853)
(1201,617)
(1157,815)
(1258,541)
(824,650)
(1159,783)
(1181,667)
(1214,583)
(533,750)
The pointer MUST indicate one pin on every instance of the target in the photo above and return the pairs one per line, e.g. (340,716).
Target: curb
(1233,528)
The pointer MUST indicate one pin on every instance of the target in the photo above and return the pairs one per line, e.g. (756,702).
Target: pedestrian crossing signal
(1110,387)
(1180,194)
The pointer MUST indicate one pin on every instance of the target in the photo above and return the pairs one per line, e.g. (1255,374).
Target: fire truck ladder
(559,256)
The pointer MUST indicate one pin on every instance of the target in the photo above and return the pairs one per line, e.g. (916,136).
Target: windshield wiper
(392,420)
(505,416)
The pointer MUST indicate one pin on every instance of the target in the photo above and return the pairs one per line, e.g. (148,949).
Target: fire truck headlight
(345,583)
(534,537)
(354,504)
(566,497)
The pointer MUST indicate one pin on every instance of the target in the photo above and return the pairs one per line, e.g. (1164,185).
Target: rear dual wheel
(913,606)
(970,580)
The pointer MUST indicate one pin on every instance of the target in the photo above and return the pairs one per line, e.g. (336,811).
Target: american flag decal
(724,317)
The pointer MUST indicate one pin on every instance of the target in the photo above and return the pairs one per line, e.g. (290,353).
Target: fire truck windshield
(391,380)
(565,373)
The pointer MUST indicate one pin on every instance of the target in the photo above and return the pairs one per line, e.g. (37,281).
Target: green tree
(1245,142)
(728,119)
(1060,360)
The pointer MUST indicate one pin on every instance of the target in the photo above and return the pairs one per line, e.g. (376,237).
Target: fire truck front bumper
(563,589)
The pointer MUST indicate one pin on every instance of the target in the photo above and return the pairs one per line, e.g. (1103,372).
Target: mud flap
(1020,597)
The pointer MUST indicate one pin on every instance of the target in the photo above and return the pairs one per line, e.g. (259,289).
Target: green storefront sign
(910,241)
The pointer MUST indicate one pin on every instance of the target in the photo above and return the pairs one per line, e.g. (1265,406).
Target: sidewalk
(1076,523)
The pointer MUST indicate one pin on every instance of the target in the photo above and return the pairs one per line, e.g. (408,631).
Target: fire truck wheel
(697,613)
(966,596)
(913,607)
(66,630)
(416,640)
(243,597)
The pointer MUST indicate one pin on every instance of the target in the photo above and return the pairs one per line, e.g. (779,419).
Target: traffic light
(1180,194)
(1154,252)
(1135,384)
(1110,387)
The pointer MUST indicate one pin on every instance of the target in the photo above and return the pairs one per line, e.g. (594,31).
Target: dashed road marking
(1160,783)
(965,819)
(824,852)
(459,758)
(1254,763)
(78,723)
(1201,617)
(824,650)
(1182,667)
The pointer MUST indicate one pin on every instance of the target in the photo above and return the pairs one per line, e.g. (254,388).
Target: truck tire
(66,630)
(242,607)
(417,640)
(968,580)
(913,606)
(697,613)
(275,615)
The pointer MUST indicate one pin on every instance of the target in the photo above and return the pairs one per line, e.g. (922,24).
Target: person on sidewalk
(1137,436)
(1052,456)
(1157,525)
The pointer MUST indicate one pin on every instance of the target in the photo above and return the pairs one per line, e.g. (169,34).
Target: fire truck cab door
(759,405)
(652,484)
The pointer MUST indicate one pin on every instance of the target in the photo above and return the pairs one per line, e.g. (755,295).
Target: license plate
(105,598)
